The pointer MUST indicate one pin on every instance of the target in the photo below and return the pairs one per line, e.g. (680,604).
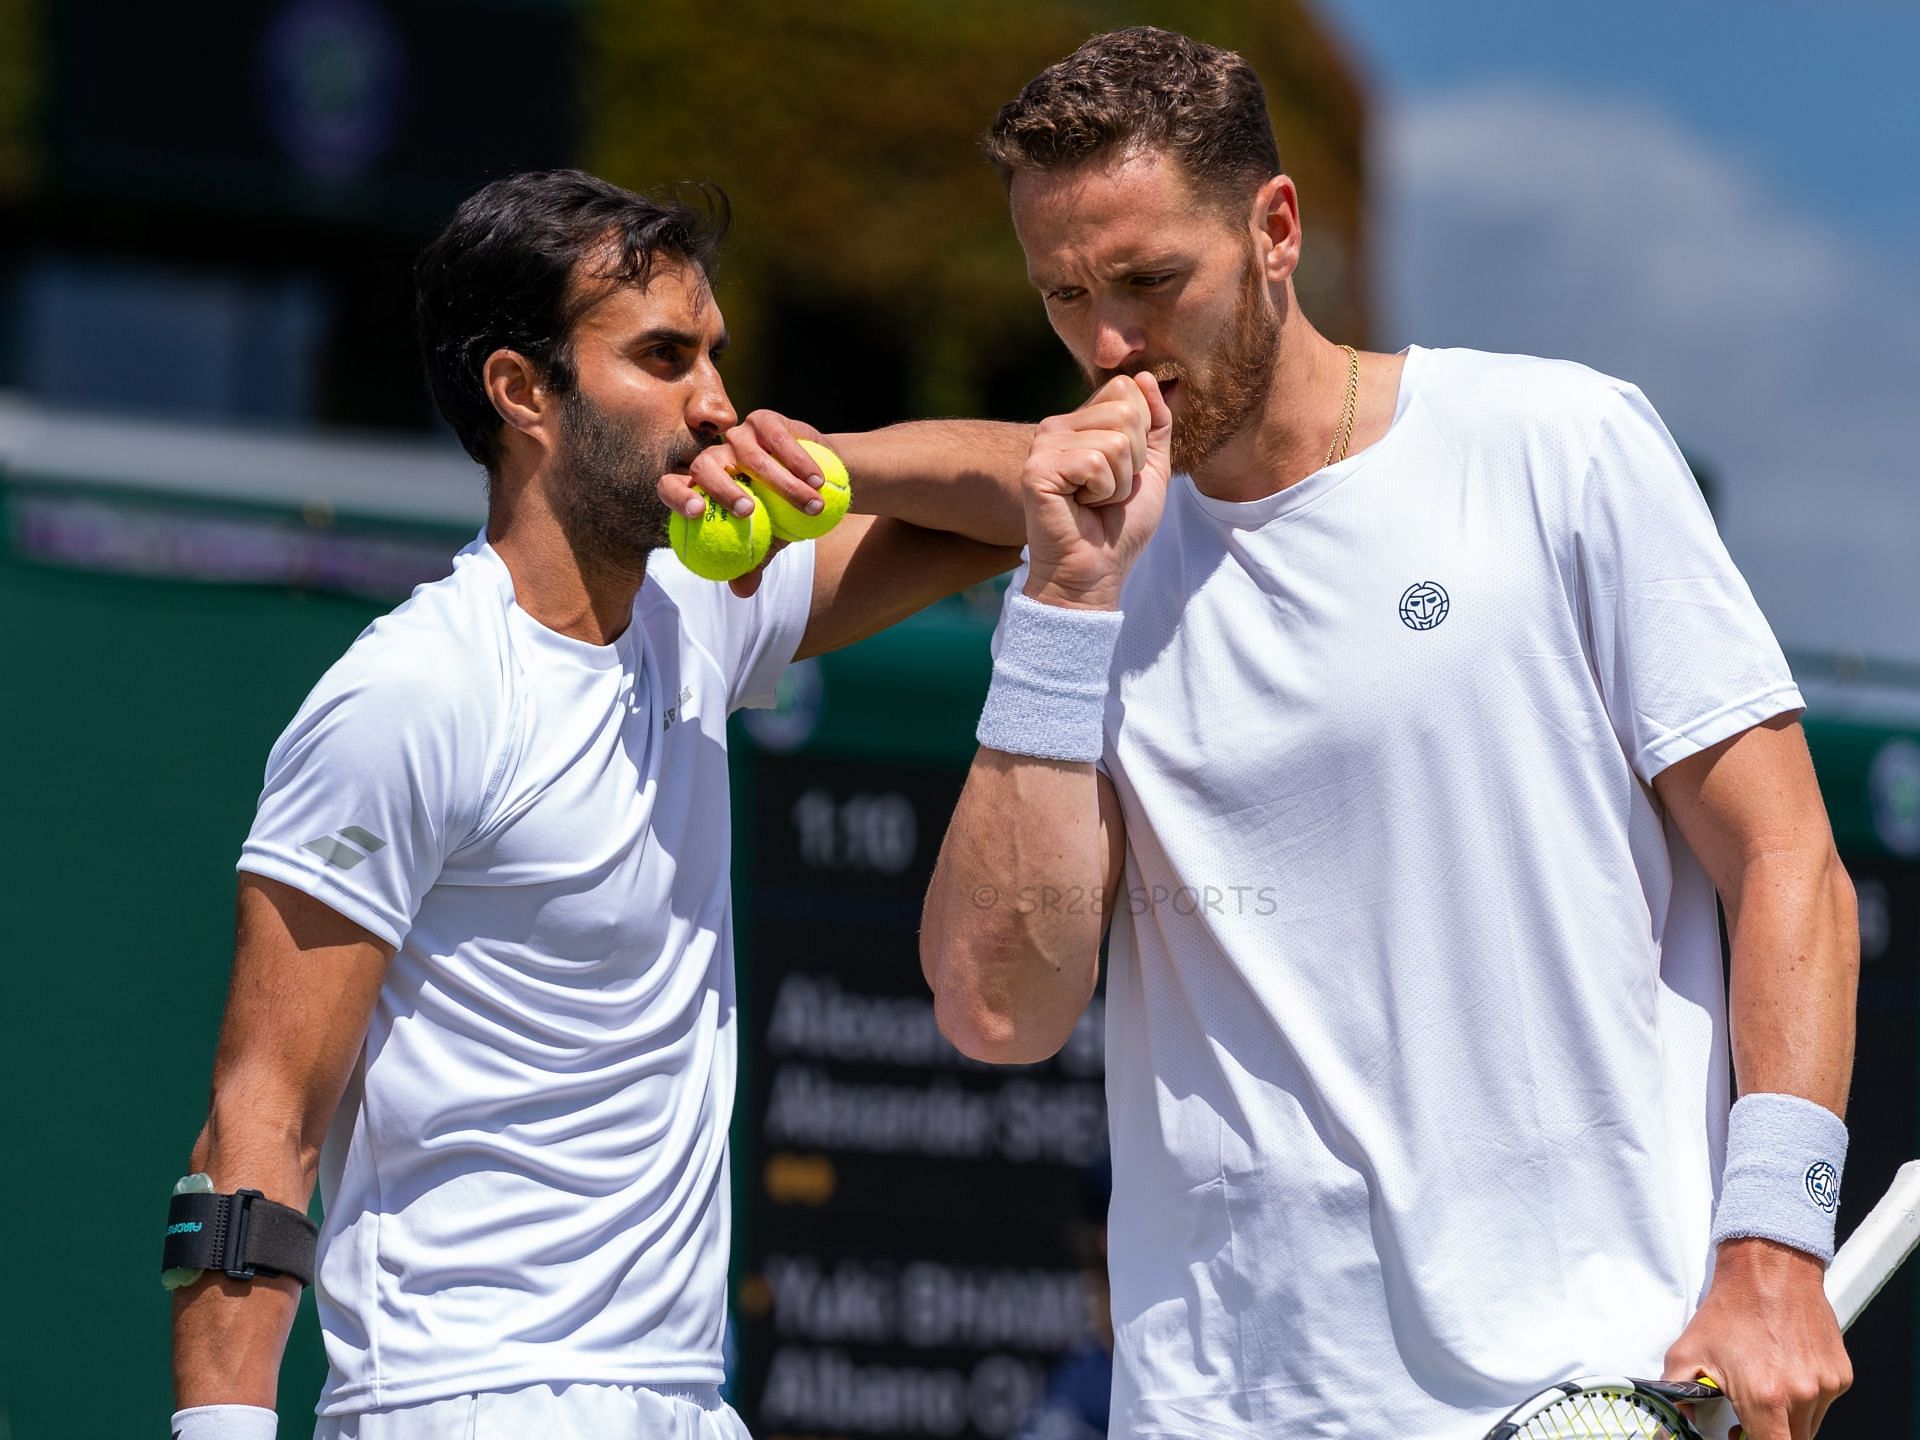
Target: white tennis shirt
(1415,1022)
(526,1180)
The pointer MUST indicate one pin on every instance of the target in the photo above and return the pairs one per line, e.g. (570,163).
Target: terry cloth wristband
(1049,692)
(225,1422)
(1782,1181)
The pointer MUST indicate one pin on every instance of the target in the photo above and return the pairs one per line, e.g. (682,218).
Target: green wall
(136,722)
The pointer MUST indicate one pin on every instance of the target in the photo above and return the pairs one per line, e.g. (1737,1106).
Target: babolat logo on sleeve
(335,849)
(1823,1185)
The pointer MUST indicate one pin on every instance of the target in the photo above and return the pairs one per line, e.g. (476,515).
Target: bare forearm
(1011,936)
(1795,974)
(961,476)
(229,1335)
(1765,1330)
(873,573)
(304,983)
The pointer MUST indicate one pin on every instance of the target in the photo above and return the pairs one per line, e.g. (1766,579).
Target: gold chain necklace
(1337,451)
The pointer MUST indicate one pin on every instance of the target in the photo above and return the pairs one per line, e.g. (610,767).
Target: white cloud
(1781,353)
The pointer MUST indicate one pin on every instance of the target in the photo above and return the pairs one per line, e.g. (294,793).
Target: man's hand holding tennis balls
(799,491)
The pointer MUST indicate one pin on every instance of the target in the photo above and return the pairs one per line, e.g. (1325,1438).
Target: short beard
(605,492)
(1231,385)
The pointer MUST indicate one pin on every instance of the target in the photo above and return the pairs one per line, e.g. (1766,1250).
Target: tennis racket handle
(1877,1247)
(1713,1417)
(1683,1392)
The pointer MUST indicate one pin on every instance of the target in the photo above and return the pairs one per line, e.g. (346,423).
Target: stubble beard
(605,495)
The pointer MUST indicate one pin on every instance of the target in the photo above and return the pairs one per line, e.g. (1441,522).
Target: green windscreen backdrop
(904,1220)
(137,718)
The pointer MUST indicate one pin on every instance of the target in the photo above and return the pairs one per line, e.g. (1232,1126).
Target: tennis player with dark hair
(484,977)
(1404,712)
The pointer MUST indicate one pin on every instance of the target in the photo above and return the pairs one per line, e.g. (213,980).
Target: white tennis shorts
(566,1412)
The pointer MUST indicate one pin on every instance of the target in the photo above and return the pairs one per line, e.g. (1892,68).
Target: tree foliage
(874,272)
(21,61)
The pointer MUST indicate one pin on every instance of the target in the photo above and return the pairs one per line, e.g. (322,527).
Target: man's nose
(710,412)
(1116,342)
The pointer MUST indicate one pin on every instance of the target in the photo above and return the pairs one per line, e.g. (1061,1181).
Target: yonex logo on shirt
(337,853)
(1424,605)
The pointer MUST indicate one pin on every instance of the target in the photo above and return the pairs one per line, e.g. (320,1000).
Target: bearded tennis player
(483,985)
(1407,713)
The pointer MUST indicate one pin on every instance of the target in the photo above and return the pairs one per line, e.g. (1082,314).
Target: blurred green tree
(21,62)
(874,273)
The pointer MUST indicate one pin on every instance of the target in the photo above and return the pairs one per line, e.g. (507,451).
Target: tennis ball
(792,523)
(720,545)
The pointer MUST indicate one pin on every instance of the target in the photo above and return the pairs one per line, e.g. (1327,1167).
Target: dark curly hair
(503,275)
(1143,89)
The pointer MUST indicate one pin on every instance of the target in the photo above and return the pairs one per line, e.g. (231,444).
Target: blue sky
(1719,202)
(1821,98)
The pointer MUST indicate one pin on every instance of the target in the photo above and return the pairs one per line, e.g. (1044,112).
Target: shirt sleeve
(1684,657)
(374,783)
(752,641)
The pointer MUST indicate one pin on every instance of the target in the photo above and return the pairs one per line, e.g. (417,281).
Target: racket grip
(1713,1417)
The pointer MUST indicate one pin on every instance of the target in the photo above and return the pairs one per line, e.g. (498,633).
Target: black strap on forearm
(240,1234)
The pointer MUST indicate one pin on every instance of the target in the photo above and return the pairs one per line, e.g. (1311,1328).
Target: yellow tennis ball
(792,523)
(720,545)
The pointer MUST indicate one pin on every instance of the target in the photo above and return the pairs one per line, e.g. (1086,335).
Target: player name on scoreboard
(817,1029)
(907,1265)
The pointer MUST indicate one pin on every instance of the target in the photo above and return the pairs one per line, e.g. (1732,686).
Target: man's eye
(1063,297)
(1150,282)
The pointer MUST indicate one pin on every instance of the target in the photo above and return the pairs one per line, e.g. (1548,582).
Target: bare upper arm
(304,983)
(1752,795)
(870,572)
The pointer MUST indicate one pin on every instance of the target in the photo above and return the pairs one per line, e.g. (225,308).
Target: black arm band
(240,1234)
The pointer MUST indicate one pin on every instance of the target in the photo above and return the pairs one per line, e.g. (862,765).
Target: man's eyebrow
(1143,264)
(668,335)
(683,339)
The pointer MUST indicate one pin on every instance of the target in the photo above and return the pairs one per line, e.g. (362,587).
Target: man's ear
(520,397)
(1276,219)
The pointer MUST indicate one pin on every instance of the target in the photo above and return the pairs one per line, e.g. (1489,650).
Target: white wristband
(1049,692)
(225,1422)
(1782,1181)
